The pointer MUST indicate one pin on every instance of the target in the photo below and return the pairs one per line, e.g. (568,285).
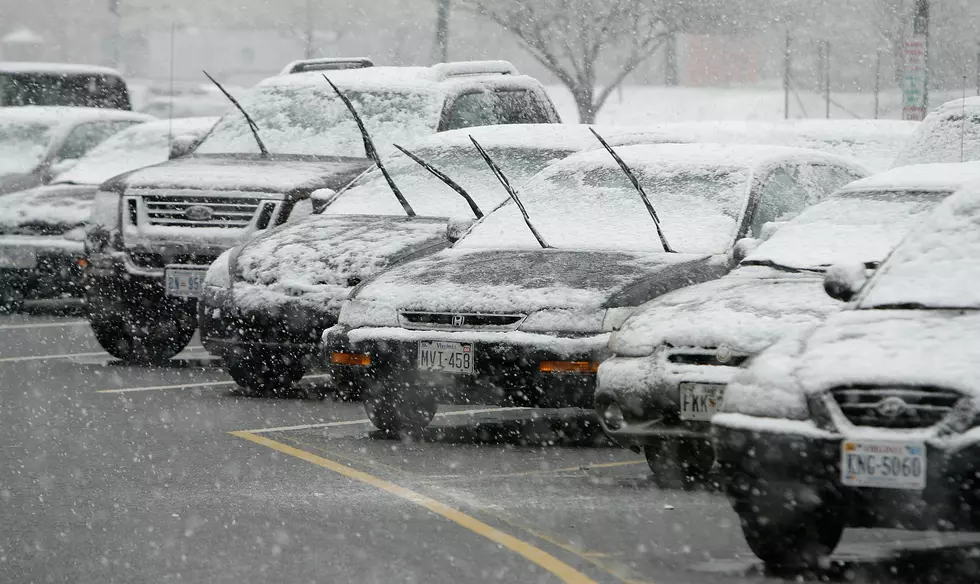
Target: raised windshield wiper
(370,150)
(510,191)
(639,188)
(251,123)
(449,182)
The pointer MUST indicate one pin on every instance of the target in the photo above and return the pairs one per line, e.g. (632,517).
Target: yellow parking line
(533,554)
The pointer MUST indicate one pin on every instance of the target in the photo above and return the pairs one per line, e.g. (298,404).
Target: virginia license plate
(446,357)
(185,282)
(17,258)
(700,401)
(883,465)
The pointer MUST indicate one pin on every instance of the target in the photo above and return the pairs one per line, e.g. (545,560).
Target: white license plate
(17,258)
(184,282)
(700,401)
(446,357)
(883,465)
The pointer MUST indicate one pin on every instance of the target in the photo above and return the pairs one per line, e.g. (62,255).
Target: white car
(951,133)
(672,358)
(870,419)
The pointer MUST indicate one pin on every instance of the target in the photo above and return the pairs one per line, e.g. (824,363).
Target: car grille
(705,356)
(895,407)
(222,211)
(448,320)
(159,261)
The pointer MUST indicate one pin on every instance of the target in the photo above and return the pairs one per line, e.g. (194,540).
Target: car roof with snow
(937,176)
(951,133)
(55,68)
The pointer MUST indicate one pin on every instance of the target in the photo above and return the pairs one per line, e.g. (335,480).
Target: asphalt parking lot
(114,473)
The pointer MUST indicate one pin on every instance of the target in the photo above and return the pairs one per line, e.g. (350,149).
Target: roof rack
(327,64)
(466,68)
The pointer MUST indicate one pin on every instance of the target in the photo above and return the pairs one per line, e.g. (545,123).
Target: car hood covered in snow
(319,259)
(747,310)
(46,210)
(246,173)
(526,281)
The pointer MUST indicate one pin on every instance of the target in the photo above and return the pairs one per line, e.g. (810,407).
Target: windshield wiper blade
(251,123)
(510,191)
(370,150)
(444,178)
(639,189)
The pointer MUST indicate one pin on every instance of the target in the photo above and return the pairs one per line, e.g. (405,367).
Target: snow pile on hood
(50,209)
(746,310)
(315,260)
(132,148)
(938,265)
(949,134)
(301,114)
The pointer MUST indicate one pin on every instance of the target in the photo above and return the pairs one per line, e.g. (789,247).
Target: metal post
(920,26)
(309,31)
(915,82)
(877,82)
(787,65)
(825,46)
(440,53)
(978,72)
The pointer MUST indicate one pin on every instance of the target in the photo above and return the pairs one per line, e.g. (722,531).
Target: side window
(473,109)
(780,195)
(86,136)
(821,180)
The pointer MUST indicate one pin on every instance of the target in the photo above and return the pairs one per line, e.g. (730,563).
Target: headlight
(104,221)
(219,274)
(615,317)
(768,386)
(366,313)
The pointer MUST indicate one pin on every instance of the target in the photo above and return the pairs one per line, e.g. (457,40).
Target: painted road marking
(71,356)
(533,554)
(182,386)
(366,421)
(71,323)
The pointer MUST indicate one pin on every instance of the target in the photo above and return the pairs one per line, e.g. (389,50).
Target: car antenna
(639,188)
(442,176)
(510,191)
(370,150)
(963,124)
(251,123)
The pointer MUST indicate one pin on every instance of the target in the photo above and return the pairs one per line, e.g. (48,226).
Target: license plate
(883,465)
(17,258)
(185,282)
(446,357)
(700,401)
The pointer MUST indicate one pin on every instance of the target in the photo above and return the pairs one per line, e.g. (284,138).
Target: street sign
(914,79)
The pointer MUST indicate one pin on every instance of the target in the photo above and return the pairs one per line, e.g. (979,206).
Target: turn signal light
(588,367)
(356,359)
(82,263)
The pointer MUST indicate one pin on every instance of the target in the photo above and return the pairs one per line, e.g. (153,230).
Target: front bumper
(647,391)
(41,266)
(772,466)
(506,364)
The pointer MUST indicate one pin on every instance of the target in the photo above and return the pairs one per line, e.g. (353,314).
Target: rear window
(18,89)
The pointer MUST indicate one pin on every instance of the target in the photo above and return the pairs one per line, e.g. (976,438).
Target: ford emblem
(892,407)
(199,213)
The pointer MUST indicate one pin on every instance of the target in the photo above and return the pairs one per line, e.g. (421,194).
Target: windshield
(937,266)
(71,89)
(594,206)
(23,145)
(853,226)
(370,194)
(311,120)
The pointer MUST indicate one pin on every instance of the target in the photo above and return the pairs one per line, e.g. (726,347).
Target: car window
(488,108)
(520,107)
(821,180)
(781,195)
(87,136)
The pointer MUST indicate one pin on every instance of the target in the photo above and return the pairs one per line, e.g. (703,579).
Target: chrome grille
(451,320)
(233,212)
(895,407)
(706,356)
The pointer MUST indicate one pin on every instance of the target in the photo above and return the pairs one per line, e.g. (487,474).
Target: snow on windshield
(938,265)
(310,119)
(22,145)
(589,203)
(429,196)
(855,226)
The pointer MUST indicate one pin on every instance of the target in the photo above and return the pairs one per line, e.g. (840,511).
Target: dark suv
(155,231)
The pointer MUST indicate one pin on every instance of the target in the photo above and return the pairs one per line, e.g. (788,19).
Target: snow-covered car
(674,355)
(41,236)
(520,309)
(156,231)
(951,133)
(186,106)
(37,143)
(870,419)
(266,303)
(61,84)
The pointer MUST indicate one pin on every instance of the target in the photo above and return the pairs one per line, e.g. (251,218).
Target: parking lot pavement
(133,474)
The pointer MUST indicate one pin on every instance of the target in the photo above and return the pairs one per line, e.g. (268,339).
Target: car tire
(679,463)
(399,412)
(796,541)
(264,374)
(142,329)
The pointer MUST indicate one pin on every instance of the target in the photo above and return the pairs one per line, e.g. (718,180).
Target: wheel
(400,412)
(143,328)
(680,463)
(792,540)
(262,374)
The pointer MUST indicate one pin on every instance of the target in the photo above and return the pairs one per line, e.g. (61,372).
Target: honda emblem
(458,320)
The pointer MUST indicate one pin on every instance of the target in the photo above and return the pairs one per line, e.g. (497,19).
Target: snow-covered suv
(154,232)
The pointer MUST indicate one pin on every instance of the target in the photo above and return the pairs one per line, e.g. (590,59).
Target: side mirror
(182,145)
(844,281)
(457,228)
(321,198)
(743,247)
